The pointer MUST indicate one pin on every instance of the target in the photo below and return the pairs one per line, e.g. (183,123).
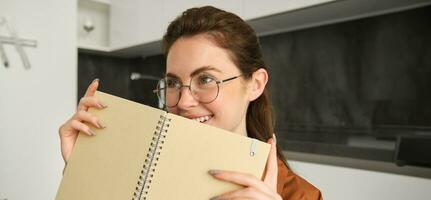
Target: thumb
(271,174)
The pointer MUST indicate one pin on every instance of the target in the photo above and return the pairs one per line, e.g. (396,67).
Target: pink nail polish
(214,172)
(103,105)
(100,124)
(92,132)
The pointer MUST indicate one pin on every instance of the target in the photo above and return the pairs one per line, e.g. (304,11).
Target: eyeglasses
(203,87)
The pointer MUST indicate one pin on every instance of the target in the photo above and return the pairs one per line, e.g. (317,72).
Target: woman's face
(200,57)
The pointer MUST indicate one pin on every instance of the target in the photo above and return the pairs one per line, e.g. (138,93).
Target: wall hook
(14,40)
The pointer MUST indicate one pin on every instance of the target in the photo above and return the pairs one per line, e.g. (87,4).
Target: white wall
(341,183)
(34,103)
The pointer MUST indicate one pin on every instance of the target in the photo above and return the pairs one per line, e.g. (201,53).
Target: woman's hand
(254,187)
(70,129)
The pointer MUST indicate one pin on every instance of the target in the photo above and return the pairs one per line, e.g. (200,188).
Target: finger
(238,178)
(246,193)
(271,173)
(84,116)
(92,88)
(86,102)
(77,125)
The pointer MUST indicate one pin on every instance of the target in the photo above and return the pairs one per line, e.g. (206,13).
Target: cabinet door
(173,8)
(135,22)
(257,8)
(152,26)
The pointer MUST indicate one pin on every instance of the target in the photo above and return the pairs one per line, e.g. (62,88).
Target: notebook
(148,154)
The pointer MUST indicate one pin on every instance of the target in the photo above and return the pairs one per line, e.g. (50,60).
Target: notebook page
(191,149)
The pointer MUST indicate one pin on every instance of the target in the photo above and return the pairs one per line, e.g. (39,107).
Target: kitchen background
(349,81)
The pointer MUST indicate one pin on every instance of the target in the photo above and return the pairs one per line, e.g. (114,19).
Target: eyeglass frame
(218,82)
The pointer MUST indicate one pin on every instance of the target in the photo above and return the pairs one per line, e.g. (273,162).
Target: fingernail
(215,198)
(275,138)
(100,124)
(92,132)
(95,80)
(214,172)
(103,105)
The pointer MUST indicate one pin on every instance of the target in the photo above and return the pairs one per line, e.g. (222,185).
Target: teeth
(202,119)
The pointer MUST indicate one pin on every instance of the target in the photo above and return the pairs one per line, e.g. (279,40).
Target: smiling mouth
(202,119)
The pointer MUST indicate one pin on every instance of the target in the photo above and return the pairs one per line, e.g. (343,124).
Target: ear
(257,84)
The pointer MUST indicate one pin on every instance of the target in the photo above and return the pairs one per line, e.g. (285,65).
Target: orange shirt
(292,187)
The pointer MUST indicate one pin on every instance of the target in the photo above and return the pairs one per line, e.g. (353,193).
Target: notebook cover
(107,166)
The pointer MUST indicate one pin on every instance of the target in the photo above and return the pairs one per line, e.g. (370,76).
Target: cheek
(235,95)
(229,106)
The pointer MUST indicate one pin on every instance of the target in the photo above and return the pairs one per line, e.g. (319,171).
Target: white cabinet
(96,14)
(257,8)
(135,22)
(172,9)
(137,26)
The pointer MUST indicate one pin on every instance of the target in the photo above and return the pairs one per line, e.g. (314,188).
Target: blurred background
(350,83)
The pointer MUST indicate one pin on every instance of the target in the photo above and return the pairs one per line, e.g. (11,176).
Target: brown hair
(233,34)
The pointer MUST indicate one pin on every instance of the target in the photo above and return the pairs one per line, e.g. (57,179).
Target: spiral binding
(148,168)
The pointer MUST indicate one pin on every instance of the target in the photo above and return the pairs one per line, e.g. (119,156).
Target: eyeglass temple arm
(226,80)
(156,90)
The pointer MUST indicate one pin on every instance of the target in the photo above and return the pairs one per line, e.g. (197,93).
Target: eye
(173,83)
(205,79)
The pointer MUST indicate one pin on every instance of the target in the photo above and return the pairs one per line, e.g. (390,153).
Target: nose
(186,99)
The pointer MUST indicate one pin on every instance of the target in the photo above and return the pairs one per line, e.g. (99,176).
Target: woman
(215,74)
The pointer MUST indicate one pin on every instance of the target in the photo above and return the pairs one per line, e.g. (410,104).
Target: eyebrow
(196,71)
